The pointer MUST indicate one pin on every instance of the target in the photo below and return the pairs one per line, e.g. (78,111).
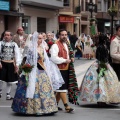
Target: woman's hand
(16,69)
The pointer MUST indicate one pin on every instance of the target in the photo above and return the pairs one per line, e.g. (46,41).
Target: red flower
(50,43)
(92,45)
(27,68)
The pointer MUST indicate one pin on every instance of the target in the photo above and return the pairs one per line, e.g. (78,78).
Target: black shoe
(68,109)
(60,109)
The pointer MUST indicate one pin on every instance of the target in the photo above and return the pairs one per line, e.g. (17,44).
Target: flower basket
(112,11)
(27,68)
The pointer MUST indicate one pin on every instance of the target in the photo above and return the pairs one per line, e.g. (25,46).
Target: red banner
(66,19)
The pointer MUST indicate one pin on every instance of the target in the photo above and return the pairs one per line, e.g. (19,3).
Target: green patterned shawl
(72,85)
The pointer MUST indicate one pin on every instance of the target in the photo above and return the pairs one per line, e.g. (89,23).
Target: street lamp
(91,7)
(112,12)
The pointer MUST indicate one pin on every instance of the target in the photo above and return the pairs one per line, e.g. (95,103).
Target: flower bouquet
(26,69)
(92,45)
(50,43)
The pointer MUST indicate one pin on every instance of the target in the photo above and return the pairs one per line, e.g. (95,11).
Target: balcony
(51,4)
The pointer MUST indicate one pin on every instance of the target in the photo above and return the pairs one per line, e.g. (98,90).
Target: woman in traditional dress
(79,48)
(88,52)
(100,83)
(37,96)
(83,39)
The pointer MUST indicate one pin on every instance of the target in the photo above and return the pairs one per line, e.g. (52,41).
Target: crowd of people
(49,81)
(42,65)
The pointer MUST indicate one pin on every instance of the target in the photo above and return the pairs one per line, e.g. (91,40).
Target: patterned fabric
(44,101)
(72,85)
(88,52)
(104,88)
(7,50)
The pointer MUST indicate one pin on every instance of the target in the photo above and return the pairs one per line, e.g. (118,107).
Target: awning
(11,13)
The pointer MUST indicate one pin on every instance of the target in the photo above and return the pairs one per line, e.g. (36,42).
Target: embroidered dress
(100,83)
(88,52)
(103,89)
(37,97)
(43,102)
(79,48)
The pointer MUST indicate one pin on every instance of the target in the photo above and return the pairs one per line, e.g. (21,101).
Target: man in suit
(20,36)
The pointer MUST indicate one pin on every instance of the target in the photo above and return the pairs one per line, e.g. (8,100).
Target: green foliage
(112,9)
(92,30)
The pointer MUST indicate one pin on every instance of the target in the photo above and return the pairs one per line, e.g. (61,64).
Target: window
(66,3)
(26,24)
(41,24)
(99,6)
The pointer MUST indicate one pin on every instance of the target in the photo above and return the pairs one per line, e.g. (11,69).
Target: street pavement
(84,111)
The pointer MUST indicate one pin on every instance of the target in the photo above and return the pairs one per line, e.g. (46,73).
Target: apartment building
(69,16)
(77,16)
(104,19)
(32,15)
(86,16)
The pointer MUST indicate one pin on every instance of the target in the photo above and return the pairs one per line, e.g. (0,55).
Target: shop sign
(66,19)
(4,5)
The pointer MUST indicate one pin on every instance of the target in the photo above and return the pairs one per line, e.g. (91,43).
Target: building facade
(32,15)
(9,15)
(86,16)
(69,16)
(77,14)
(103,18)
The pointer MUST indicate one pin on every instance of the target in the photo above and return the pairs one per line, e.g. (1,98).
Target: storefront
(66,22)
